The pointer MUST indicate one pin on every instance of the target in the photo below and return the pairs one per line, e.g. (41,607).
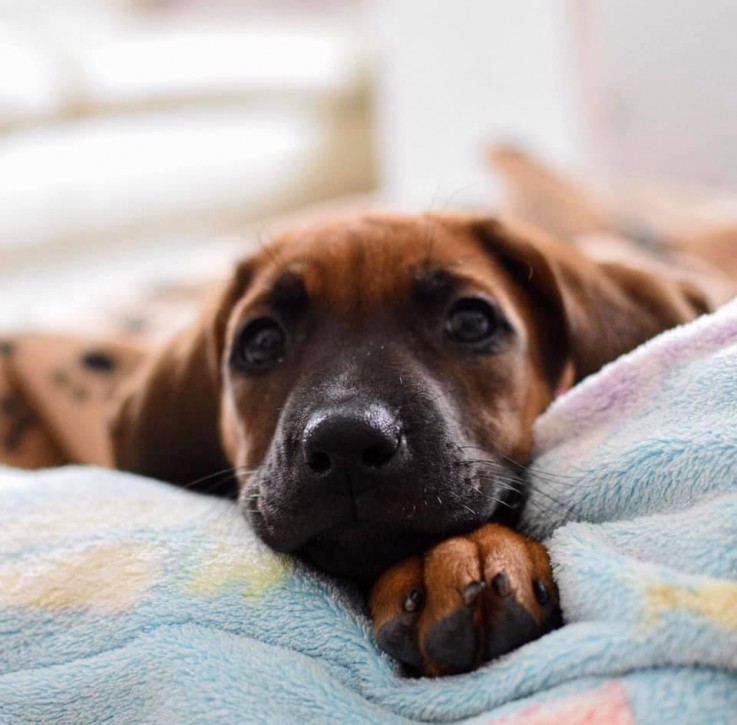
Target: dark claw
(413,601)
(452,641)
(472,591)
(541,592)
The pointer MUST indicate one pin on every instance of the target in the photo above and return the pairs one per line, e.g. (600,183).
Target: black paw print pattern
(99,363)
(19,419)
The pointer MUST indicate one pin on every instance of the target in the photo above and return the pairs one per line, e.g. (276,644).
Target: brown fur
(348,291)
(573,315)
(176,421)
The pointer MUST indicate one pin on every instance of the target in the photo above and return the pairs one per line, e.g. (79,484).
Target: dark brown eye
(260,345)
(472,321)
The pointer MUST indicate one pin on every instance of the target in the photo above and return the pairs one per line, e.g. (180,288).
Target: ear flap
(546,198)
(166,423)
(607,309)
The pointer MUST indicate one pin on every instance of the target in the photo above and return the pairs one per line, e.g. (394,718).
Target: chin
(361,550)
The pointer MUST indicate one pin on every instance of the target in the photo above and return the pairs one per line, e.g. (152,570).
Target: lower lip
(362,549)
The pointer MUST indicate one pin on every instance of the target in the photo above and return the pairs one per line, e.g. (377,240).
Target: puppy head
(374,382)
(378,377)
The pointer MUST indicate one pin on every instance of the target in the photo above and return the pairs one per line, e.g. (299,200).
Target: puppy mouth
(339,543)
(362,549)
(359,541)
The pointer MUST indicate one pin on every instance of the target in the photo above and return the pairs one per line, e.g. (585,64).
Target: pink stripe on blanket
(604,705)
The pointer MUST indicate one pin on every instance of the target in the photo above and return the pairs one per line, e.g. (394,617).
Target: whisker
(537,472)
(428,401)
(197,481)
(519,486)
(217,480)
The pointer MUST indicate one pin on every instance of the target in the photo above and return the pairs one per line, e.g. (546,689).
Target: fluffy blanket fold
(129,601)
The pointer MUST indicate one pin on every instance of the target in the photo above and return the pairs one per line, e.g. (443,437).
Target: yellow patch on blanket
(68,522)
(109,577)
(255,569)
(715,601)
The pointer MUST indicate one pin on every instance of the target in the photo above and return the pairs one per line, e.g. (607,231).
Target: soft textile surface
(129,601)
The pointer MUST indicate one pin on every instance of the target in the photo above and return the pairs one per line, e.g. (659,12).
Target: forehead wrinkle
(357,274)
(386,273)
(364,266)
(359,261)
(325,277)
(365,247)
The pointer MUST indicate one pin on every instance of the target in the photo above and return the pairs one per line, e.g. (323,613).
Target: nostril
(350,441)
(319,462)
(377,456)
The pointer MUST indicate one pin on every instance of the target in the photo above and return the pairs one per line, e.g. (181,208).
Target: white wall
(455,74)
(663,78)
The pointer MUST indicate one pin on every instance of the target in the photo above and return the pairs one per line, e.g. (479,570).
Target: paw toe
(398,639)
(452,641)
(510,626)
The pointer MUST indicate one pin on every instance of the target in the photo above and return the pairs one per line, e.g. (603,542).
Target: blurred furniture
(135,134)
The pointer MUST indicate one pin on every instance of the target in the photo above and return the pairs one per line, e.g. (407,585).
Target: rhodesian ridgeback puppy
(372,383)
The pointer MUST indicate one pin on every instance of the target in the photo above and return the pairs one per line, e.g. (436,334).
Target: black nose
(354,440)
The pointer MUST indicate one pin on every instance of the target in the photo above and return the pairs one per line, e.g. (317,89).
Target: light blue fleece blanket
(127,601)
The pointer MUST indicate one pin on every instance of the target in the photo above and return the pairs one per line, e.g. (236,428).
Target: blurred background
(145,142)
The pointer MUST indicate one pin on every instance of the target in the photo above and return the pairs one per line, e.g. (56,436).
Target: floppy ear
(543,196)
(166,422)
(607,309)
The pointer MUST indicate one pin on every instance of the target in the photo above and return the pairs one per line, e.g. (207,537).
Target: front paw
(468,600)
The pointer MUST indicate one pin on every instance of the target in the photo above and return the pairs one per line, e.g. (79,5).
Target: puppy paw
(468,600)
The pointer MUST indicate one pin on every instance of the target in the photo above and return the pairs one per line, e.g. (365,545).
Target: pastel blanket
(125,600)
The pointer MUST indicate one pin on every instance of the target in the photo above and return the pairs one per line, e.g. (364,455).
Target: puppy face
(380,380)
(375,381)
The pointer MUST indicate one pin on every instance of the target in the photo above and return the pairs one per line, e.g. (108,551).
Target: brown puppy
(375,382)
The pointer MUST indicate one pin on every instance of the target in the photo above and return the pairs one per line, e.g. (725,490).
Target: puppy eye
(472,321)
(261,344)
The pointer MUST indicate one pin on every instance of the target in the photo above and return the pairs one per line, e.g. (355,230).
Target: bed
(127,600)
